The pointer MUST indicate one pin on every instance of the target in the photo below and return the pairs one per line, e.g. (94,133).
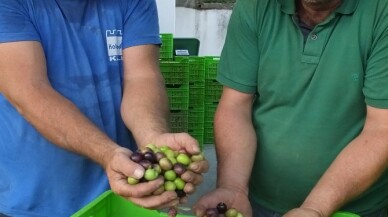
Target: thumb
(132,169)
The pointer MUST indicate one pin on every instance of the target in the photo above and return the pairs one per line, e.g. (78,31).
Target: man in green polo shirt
(302,125)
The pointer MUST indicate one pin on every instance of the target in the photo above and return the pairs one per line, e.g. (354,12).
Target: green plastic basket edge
(110,193)
(344,214)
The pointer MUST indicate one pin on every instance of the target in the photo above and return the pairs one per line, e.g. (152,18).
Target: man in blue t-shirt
(80,88)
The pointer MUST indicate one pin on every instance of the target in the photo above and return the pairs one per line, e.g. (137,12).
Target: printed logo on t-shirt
(114,44)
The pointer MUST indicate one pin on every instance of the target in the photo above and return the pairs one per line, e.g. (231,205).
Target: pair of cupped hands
(119,167)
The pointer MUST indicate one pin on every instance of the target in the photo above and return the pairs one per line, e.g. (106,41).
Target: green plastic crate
(109,204)
(344,214)
(166,49)
(213,91)
(196,97)
(178,121)
(211,67)
(178,97)
(208,136)
(175,72)
(196,68)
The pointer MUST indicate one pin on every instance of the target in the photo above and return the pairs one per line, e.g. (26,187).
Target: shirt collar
(347,6)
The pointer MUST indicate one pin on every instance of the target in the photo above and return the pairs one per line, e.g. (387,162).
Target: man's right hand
(119,167)
(231,197)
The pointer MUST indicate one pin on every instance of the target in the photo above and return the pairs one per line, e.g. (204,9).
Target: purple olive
(179,168)
(159,155)
(172,212)
(221,207)
(146,164)
(212,212)
(150,156)
(136,157)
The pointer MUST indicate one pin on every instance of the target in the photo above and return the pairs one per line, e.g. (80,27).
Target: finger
(199,166)
(167,199)
(192,177)
(127,167)
(199,209)
(137,190)
(187,143)
(189,188)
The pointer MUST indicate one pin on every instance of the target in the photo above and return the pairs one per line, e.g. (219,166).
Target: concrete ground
(209,182)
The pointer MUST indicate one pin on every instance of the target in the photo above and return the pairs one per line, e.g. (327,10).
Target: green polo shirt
(311,96)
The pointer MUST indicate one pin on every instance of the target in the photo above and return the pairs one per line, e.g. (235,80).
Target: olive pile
(163,161)
(222,211)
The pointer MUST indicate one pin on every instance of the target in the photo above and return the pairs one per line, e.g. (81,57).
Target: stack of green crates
(192,90)
(176,76)
(213,91)
(166,49)
(196,96)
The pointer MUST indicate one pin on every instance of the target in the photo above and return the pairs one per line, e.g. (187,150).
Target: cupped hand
(232,198)
(183,142)
(119,167)
(177,141)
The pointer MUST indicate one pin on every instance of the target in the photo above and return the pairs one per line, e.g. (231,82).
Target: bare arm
(24,82)
(144,107)
(356,168)
(235,140)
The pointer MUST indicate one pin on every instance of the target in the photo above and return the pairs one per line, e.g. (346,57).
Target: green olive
(169,186)
(151,174)
(132,181)
(179,183)
(170,175)
(231,213)
(183,159)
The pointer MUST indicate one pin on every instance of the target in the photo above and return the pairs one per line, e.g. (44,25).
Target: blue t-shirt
(82,41)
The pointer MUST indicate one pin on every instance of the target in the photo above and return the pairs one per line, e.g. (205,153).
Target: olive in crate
(164,162)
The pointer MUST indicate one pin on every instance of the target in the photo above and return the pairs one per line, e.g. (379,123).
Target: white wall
(209,26)
(166,13)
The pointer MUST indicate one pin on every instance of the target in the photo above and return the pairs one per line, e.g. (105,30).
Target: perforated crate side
(178,121)
(174,72)
(211,67)
(166,49)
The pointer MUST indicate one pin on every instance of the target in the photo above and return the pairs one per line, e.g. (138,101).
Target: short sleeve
(15,22)
(240,55)
(141,23)
(376,75)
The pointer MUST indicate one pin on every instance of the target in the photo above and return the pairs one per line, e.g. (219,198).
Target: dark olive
(150,156)
(221,207)
(159,155)
(136,157)
(180,193)
(211,212)
(179,168)
(146,164)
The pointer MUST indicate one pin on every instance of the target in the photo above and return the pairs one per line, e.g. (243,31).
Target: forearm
(144,106)
(60,121)
(236,147)
(145,111)
(355,169)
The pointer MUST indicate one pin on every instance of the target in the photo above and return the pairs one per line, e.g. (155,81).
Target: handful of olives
(222,211)
(163,161)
